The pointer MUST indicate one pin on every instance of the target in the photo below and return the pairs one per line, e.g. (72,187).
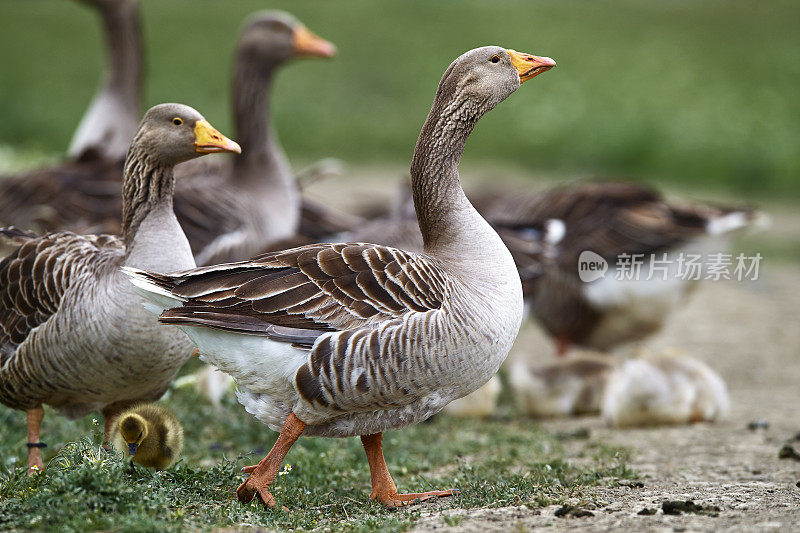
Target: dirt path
(749,332)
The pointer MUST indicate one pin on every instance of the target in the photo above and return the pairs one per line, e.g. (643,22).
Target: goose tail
(16,235)
(154,288)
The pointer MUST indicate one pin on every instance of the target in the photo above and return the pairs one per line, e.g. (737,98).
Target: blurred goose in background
(231,210)
(111,120)
(565,387)
(149,434)
(340,340)
(397,227)
(606,220)
(73,334)
(664,388)
(212,384)
(83,193)
(479,404)
(652,388)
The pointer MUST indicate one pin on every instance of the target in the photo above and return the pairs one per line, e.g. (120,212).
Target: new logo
(591,266)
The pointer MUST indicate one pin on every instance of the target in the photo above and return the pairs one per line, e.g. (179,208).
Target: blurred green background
(693,92)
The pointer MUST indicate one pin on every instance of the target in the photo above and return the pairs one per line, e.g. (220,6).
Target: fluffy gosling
(565,387)
(150,434)
(665,388)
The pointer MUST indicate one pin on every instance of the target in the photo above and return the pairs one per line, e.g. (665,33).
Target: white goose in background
(73,334)
(342,340)
(559,388)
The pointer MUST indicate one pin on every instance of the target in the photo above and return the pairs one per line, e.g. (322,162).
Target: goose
(150,434)
(605,220)
(663,388)
(111,120)
(230,211)
(564,387)
(353,339)
(83,192)
(73,334)
(652,388)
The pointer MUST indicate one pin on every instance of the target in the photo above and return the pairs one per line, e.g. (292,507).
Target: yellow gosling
(150,434)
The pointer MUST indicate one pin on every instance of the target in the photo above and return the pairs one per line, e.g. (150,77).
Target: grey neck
(443,211)
(124,38)
(262,163)
(110,122)
(147,186)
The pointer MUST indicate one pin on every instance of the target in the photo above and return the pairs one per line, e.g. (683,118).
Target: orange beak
(207,140)
(528,65)
(307,44)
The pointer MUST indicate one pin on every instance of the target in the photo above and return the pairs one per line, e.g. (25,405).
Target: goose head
(488,75)
(274,37)
(134,429)
(174,133)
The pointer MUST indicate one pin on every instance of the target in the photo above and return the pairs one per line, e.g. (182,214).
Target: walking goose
(231,210)
(339,340)
(72,332)
(83,192)
(608,219)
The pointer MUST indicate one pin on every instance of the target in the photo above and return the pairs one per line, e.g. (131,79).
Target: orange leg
(264,473)
(35,417)
(383,487)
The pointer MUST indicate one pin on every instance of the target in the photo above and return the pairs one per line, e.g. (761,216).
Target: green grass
(508,461)
(696,92)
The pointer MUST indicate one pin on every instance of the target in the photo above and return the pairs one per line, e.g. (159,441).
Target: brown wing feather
(322,287)
(34,278)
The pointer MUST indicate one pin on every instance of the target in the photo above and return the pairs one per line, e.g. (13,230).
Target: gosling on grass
(150,435)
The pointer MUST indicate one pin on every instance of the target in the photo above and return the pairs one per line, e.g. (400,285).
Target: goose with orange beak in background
(73,334)
(231,210)
(341,340)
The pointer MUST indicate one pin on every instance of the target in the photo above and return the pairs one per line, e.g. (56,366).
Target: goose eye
(177,121)
(495,59)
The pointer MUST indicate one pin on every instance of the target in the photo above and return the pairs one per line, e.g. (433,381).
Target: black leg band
(36,445)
